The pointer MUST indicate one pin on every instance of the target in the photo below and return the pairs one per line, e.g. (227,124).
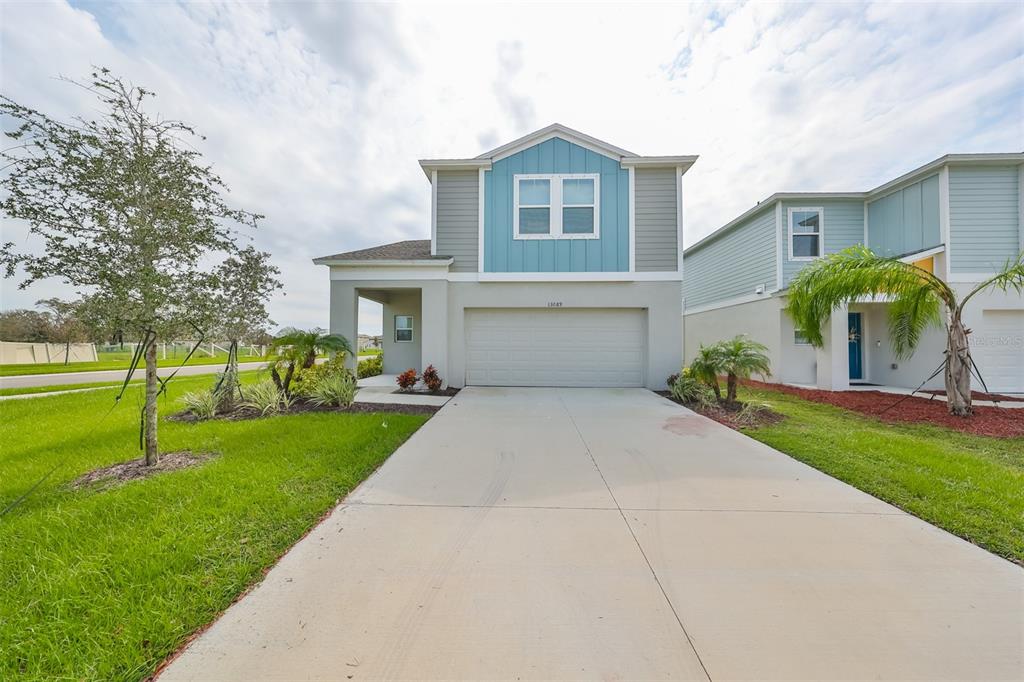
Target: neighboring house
(367,342)
(959,216)
(553,260)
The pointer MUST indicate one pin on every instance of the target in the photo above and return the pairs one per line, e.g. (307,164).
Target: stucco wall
(400,356)
(758,319)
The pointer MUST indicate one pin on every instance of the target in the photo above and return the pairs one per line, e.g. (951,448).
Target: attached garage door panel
(555,347)
(998,348)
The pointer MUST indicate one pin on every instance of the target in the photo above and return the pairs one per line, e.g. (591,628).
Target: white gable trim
(552,131)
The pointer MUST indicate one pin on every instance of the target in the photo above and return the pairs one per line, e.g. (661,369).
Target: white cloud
(316,113)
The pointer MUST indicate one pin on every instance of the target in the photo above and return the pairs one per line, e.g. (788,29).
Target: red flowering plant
(407,379)
(432,379)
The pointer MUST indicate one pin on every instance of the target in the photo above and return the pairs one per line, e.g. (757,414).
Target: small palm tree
(296,349)
(741,357)
(706,367)
(917,299)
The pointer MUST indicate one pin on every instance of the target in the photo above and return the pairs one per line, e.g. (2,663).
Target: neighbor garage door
(998,348)
(555,347)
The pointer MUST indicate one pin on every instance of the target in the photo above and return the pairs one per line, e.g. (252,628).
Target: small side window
(403,328)
(805,233)
(799,338)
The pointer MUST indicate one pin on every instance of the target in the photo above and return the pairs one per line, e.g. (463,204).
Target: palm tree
(706,367)
(917,299)
(298,348)
(740,357)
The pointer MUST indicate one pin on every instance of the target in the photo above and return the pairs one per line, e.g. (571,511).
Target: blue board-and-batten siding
(907,220)
(609,253)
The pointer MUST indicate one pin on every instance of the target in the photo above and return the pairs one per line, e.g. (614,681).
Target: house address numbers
(554,304)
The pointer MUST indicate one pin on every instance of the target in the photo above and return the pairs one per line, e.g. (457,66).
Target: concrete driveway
(611,534)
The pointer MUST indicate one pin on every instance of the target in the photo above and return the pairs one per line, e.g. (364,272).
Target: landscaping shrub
(265,397)
(372,367)
(431,379)
(202,404)
(336,389)
(706,367)
(407,379)
(304,382)
(740,357)
(687,389)
(672,378)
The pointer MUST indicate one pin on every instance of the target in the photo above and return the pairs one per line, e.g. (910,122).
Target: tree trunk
(958,369)
(730,388)
(716,388)
(152,451)
(67,351)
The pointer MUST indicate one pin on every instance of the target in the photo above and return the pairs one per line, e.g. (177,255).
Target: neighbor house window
(805,232)
(799,338)
(556,206)
(403,328)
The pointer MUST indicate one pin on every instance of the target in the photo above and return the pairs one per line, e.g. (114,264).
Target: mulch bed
(979,395)
(448,392)
(997,422)
(301,407)
(731,414)
(122,472)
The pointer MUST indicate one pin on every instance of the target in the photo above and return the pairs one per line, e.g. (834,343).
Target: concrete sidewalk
(58,379)
(611,534)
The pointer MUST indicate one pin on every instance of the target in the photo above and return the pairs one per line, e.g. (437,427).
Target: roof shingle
(410,249)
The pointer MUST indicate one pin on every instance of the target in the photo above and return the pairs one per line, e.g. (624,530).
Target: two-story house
(553,260)
(959,216)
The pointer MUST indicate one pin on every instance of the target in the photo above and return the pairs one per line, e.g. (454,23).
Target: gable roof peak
(550,131)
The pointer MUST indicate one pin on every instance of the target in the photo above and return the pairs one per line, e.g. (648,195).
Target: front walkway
(611,534)
(899,390)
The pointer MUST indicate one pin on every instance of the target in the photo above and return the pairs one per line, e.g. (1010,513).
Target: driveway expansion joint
(636,540)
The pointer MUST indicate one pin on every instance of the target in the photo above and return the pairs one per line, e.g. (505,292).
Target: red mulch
(997,422)
(978,395)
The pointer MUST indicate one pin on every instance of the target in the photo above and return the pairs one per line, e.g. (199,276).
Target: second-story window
(556,206)
(805,233)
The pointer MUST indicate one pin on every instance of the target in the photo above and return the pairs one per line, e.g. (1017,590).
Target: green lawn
(969,485)
(370,351)
(103,585)
(115,360)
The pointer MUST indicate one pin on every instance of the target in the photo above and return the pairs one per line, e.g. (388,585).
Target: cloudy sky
(315,113)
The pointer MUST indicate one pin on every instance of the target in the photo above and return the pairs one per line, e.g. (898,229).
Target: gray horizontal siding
(983,216)
(656,229)
(734,264)
(843,225)
(458,211)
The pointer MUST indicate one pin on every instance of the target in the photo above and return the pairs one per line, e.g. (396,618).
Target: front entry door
(856,354)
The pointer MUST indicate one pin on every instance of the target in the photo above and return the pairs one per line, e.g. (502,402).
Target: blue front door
(856,369)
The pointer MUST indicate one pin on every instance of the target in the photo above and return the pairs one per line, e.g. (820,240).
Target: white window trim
(411,329)
(821,232)
(556,205)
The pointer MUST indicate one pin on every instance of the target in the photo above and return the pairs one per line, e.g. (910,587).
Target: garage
(587,347)
(998,348)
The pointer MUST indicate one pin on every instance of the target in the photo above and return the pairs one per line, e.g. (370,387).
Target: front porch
(414,325)
(856,352)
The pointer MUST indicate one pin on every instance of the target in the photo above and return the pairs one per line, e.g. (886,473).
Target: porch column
(434,327)
(834,355)
(345,317)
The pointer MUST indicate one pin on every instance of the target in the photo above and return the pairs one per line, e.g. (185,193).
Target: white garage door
(998,348)
(555,347)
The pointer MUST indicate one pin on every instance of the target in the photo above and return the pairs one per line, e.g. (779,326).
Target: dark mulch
(115,474)
(446,392)
(731,414)
(979,395)
(997,422)
(302,406)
